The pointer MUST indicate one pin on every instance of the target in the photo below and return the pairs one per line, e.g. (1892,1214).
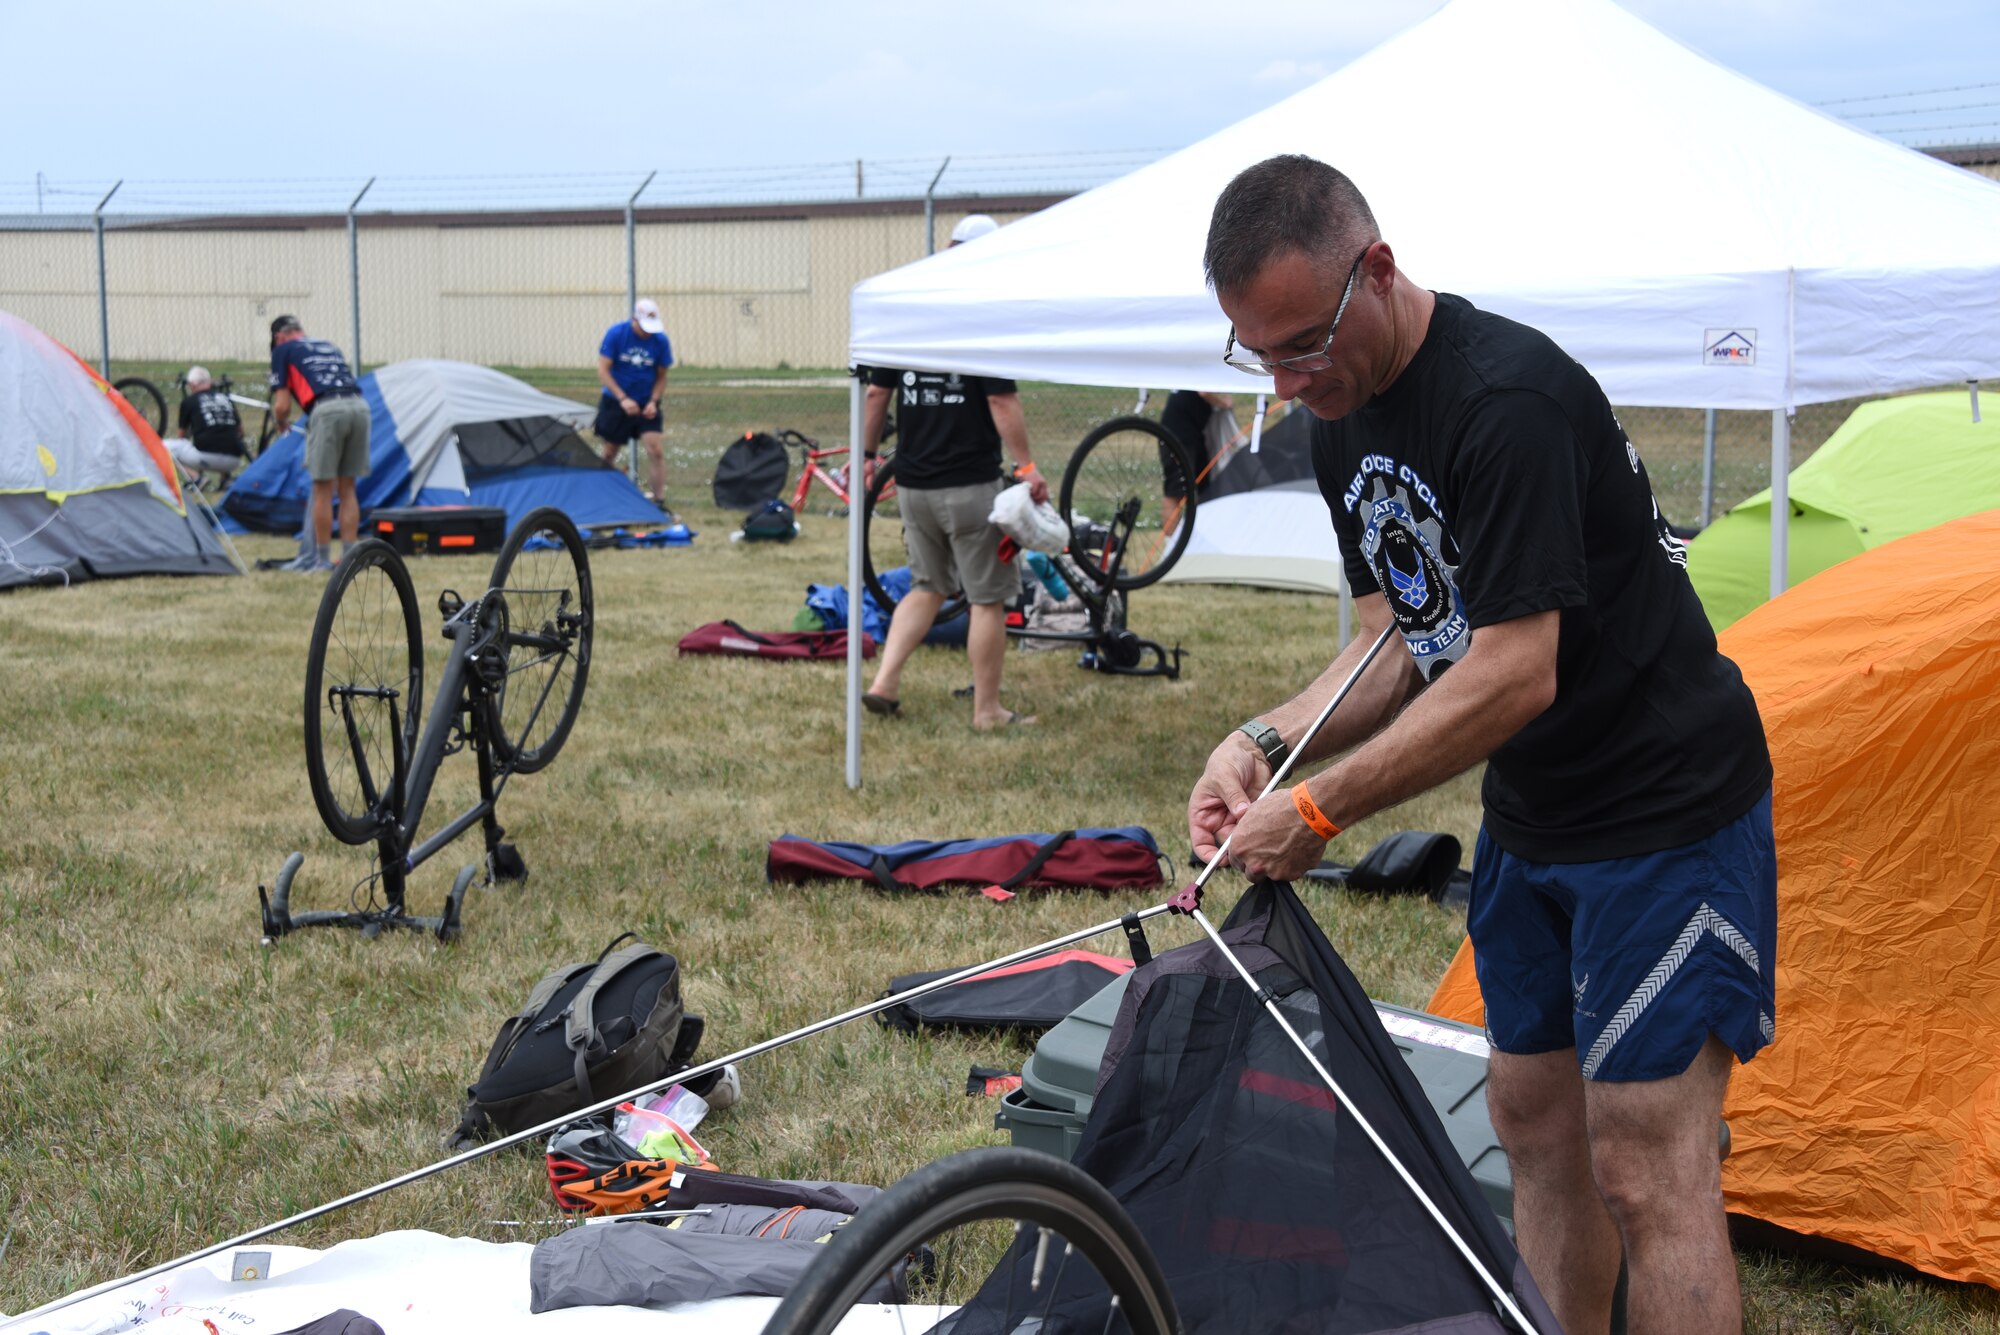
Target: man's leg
(611,455)
(986,644)
(656,465)
(350,513)
(1653,1146)
(322,514)
(1561,1225)
(907,628)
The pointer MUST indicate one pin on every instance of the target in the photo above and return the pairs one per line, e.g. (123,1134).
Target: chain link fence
(752,267)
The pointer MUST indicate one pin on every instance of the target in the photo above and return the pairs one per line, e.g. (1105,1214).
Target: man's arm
(1506,679)
(281,410)
(1237,771)
(1012,424)
(659,390)
(611,386)
(874,416)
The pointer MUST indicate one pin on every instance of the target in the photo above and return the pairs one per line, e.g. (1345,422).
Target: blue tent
(450,433)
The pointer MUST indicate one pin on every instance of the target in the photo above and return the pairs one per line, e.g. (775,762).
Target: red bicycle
(834,479)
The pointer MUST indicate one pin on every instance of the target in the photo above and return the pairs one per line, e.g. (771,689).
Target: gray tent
(86,489)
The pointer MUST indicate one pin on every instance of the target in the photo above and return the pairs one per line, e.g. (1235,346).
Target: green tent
(1896,466)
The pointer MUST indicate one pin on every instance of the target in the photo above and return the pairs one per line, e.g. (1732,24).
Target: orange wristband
(1310,813)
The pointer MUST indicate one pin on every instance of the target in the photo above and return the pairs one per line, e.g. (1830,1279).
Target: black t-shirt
(1492,481)
(945,435)
(208,419)
(1186,416)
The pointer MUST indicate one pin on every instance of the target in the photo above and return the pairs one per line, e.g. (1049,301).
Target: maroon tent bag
(726,637)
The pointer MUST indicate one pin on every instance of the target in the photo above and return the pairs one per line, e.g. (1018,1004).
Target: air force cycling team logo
(1407,554)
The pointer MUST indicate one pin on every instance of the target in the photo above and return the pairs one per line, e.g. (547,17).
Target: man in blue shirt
(632,364)
(311,373)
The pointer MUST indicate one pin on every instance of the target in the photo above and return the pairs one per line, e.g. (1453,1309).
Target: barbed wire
(1922,92)
(877,178)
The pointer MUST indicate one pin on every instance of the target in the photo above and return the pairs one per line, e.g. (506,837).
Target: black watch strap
(1268,741)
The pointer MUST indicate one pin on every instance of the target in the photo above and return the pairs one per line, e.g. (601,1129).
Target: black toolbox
(1059,1081)
(440,530)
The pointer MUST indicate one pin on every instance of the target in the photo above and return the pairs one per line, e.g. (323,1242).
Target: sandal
(881,705)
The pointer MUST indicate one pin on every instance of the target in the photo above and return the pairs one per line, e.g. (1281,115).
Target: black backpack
(585,1033)
(751,471)
(773,521)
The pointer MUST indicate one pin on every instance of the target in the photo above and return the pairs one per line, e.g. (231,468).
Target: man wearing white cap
(971,227)
(632,364)
(211,438)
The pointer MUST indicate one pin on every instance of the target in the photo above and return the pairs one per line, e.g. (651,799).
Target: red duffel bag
(726,637)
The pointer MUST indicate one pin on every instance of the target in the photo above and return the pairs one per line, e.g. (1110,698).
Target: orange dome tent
(1874,1118)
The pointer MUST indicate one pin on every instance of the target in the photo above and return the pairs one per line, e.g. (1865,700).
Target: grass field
(167,1081)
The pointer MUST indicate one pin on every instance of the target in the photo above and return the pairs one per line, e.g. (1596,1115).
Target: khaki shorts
(953,546)
(337,439)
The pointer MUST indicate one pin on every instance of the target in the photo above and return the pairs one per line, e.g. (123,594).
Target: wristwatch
(1268,741)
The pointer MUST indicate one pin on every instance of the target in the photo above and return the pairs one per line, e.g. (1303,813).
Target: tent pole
(103,297)
(354,276)
(1707,467)
(1781,499)
(857,493)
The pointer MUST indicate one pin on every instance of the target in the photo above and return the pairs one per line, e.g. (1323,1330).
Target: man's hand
(1236,770)
(652,407)
(1273,842)
(1038,489)
(628,405)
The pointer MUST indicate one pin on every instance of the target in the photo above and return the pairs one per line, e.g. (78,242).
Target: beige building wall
(736,292)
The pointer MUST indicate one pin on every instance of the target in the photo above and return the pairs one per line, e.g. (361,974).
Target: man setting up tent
(1623,912)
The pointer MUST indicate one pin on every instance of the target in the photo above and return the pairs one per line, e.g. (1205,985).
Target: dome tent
(1870,1120)
(87,490)
(1895,467)
(451,433)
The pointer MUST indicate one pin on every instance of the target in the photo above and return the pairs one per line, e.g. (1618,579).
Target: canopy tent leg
(1707,467)
(1781,497)
(858,497)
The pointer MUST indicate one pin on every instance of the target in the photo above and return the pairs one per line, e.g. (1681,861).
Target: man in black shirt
(211,436)
(1623,916)
(950,429)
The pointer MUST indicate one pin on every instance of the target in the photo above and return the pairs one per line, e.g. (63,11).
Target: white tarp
(1693,238)
(409,1283)
(429,398)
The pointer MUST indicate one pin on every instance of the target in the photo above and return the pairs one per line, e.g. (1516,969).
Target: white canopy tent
(1693,238)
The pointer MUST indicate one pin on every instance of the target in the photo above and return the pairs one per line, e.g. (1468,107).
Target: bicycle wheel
(542,577)
(145,396)
(1013,1239)
(1129,484)
(364,689)
(882,545)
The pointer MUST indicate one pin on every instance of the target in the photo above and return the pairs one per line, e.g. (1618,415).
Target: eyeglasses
(1307,363)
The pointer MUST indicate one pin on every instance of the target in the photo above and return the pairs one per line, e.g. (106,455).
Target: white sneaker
(728,1090)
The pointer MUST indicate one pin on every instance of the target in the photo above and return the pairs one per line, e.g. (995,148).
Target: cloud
(1290,71)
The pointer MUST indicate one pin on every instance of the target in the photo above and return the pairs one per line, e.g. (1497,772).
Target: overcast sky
(436,88)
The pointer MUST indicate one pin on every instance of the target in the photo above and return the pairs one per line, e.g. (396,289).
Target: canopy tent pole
(857,492)
(1781,498)
(1707,466)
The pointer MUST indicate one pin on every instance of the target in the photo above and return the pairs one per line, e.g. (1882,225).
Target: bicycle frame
(459,714)
(813,455)
(1112,647)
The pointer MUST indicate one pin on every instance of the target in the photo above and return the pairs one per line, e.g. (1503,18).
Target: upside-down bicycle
(512,685)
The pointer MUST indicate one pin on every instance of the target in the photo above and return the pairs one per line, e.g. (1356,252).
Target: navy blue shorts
(615,426)
(1634,961)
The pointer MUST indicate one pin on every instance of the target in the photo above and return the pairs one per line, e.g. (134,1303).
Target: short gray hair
(1284,204)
